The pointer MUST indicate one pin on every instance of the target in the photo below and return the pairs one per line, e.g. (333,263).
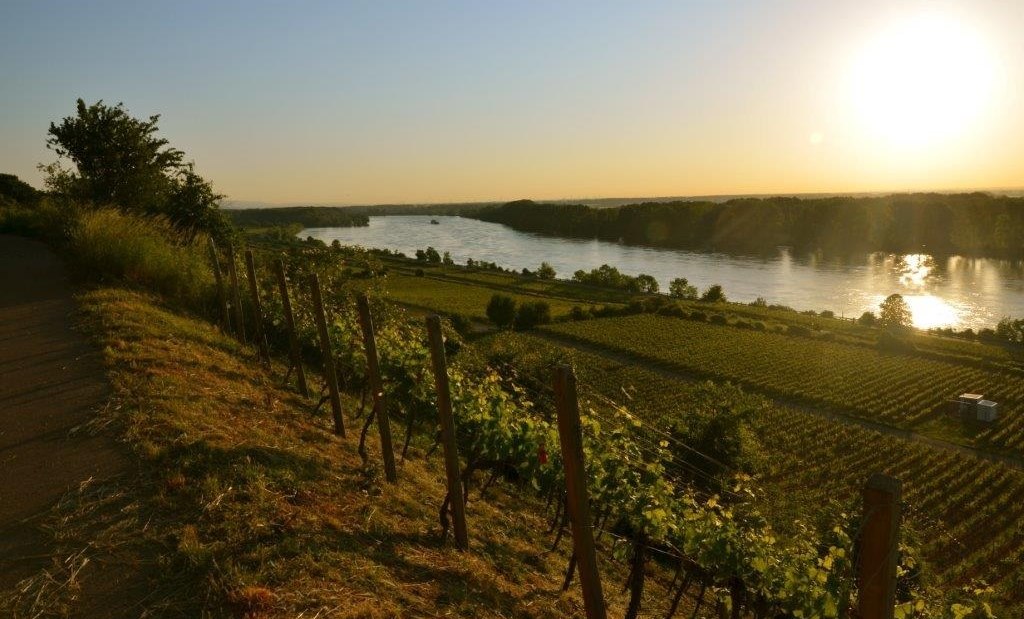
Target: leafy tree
(714,294)
(446,260)
(530,315)
(646,283)
(501,310)
(545,271)
(119,160)
(16,190)
(895,312)
(1011,330)
(868,319)
(680,288)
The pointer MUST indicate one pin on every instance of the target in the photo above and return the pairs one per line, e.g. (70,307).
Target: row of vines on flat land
(964,512)
(718,543)
(896,389)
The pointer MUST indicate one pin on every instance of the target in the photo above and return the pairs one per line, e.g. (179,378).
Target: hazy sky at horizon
(368,102)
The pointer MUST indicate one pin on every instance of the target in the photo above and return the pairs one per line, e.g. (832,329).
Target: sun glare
(923,80)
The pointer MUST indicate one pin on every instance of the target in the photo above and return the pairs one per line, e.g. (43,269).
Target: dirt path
(51,380)
(900,433)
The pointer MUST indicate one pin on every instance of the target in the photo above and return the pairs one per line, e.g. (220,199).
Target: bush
(578,313)
(461,323)
(868,319)
(698,316)
(713,294)
(718,319)
(532,314)
(827,314)
(501,310)
(743,324)
(419,272)
(759,326)
(143,252)
(798,330)
(891,341)
(672,309)
(759,302)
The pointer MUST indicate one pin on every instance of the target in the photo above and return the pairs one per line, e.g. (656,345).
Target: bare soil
(51,383)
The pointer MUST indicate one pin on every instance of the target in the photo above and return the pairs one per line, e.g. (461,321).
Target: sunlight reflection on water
(956,291)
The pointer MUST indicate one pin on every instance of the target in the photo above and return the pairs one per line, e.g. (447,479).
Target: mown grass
(241,502)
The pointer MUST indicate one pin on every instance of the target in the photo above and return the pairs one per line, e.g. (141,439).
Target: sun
(923,80)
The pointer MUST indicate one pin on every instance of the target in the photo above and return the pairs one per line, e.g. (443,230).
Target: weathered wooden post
(578,503)
(330,374)
(377,387)
(236,296)
(879,548)
(222,297)
(289,322)
(444,415)
(257,307)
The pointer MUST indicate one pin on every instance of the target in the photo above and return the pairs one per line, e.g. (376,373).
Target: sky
(411,102)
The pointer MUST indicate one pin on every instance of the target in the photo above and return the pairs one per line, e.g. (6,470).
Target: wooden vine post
(376,385)
(289,322)
(578,503)
(330,374)
(236,296)
(222,296)
(257,305)
(879,546)
(444,414)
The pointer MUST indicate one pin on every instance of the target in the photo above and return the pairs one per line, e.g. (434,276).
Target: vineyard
(719,543)
(896,389)
(965,512)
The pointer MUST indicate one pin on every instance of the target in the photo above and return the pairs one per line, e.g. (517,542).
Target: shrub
(759,302)
(698,316)
(798,330)
(578,313)
(461,323)
(891,341)
(501,310)
(419,272)
(532,314)
(672,309)
(759,326)
(718,319)
(713,294)
(827,314)
(868,319)
(743,324)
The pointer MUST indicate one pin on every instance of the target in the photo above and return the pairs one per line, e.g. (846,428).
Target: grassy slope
(243,503)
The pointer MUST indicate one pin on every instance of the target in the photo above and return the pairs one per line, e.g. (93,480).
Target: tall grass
(108,245)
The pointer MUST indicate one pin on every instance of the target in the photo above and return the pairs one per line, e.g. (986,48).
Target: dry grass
(241,502)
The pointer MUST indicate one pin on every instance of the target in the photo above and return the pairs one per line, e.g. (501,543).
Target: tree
(120,161)
(501,310)
(680,288)
(446,260)
(545,271)
(532,314)
(714,294)
(868,319)
(646,283)
(895,312)
(16,190)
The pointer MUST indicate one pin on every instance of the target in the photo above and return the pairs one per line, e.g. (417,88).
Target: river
(941,292)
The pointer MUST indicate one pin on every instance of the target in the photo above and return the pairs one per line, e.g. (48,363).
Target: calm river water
(955,291)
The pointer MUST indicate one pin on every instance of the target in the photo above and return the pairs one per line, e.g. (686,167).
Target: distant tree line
(941,224)
(307,216)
